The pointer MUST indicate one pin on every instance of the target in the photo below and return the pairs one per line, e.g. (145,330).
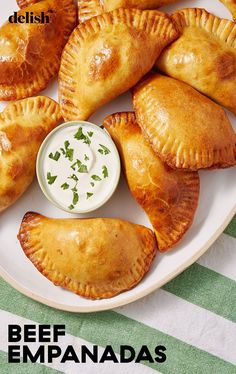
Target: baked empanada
(23,126)
(30,54)
(204,56)
(94,258)
(24,3)
(169,197)
(185,128)
(107,55)
(92,8)
(231,5)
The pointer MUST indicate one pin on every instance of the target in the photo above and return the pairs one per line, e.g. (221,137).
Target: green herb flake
(77,163)
(105,172)
(96,178)
(86,158)
(65,186)
(51,178)
(75,198)
(89,194)
(74,189)
(74,177)
(92,184)
(81,136)
(67,152)
(104,150)
(55,156)
(71,207)
(90,134)
(83,169)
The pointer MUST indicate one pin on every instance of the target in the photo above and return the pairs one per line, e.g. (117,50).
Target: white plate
(216,208)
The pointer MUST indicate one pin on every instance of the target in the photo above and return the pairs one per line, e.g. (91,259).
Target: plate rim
(93,309)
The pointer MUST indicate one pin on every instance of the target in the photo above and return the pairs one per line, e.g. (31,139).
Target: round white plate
(216,208)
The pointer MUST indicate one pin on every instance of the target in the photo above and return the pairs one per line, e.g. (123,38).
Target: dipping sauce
(78,167)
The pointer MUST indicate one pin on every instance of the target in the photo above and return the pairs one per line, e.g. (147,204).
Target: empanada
(231,5)
(185,128)
(24,3)
(23,126)
(92,8)
(107,55)
(204,56)
(169,197)
(94,258)
(30,53)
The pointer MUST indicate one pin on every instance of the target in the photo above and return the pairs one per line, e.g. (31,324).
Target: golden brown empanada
(92,8)
(184,127)
(107,55)
(23,126)
(24,3)
(204,56)
(169,197)
(30,53)
(94,258)
(231,5)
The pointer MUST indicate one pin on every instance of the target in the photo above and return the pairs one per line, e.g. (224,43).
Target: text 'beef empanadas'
(92,8)
(94,258)
(30,54)
(23,126)
(107,55)
(204,56)
(184,127)
(169,197)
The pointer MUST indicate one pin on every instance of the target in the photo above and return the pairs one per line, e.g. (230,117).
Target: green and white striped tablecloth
(193,316)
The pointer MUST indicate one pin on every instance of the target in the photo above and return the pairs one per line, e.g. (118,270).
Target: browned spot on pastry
(226,66)
(104,63)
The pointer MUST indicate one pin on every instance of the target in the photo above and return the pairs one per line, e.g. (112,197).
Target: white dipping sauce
(80,167)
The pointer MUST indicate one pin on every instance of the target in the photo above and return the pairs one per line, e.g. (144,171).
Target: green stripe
(207,289)
(6,368)
(231,229)
(115,329)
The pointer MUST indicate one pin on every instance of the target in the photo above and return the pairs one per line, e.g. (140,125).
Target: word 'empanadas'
(107,55)
(204,56)
(231,5)
(24,3)
(23,126)
(30,53)
(169,197)
(185,128)
(94,258)
(92,8)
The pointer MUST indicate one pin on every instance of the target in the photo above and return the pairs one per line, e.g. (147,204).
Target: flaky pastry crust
(231,5)
(30,54)
(204,56)
(96,67)
(94,258)
(169,197)
(23,126)
(185,128)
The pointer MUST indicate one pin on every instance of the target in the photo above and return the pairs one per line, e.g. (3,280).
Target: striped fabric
(193,316)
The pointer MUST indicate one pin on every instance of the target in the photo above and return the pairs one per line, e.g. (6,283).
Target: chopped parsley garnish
(92,184)
(105,171)
(55,156)
(89,194)
(71,207)
(51,178)
(96,178)
(83,169)
(77,163)
(75,198)
(86,158)
(74,177)
(74,189)
(81,136)
(104,150)
(90,134)
(65,186)
(67,152)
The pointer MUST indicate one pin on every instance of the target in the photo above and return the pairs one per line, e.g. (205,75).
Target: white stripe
(7,318)
(187,322)
(221,257)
